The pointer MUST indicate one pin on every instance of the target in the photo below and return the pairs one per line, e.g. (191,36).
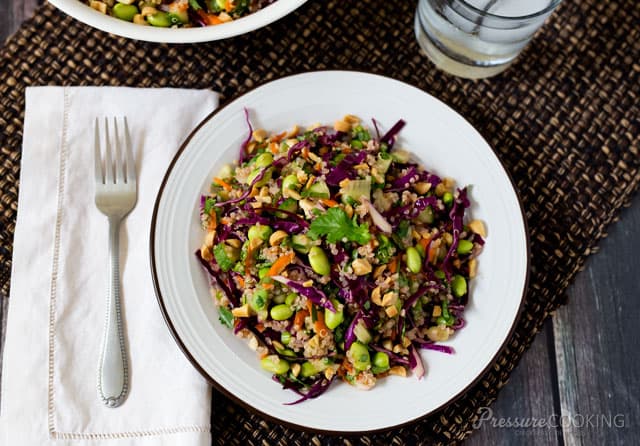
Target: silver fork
(116,195)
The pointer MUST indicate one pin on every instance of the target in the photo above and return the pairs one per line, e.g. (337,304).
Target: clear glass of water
(478,38)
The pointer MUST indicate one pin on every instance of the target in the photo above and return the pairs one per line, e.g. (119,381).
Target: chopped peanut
(422,187)
(242,311)
(477,226)
(398,370)
(259,135)
(473,268)
(342,126)
(389,298)
(277,237)
(361,267)
(375,296)
(391,311)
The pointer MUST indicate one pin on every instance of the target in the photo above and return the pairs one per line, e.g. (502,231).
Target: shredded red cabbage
(390,137)
(317,389)
(243,149)
(344,169)
(316,296)
(248,191)
(215,276)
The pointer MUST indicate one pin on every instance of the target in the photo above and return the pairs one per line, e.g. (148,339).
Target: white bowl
(446,144)
(82,12)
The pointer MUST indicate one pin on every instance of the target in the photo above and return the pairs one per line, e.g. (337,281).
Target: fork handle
(113,376)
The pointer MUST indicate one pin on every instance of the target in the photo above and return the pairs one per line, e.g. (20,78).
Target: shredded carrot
(393,265)
(433,253)
(278,138)
(329,203)
(210,19)
(298,320)
(260,327)
(425,243)
(225,220)
(310,306)
(221,182)
(274,148)
(280,264)
(267,286)
(228,6)
(240,281)
(319,326)
(318,166)
(305,153)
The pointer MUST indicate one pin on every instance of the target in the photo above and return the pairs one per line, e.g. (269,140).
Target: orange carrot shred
(328,202)
(319,326)
(280,264)
(273,147)
(221,182)
(278,138)
(260,327)
(393,264)
(298,320)
(267,286)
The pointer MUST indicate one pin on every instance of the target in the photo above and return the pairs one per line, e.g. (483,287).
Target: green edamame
(125,12)
(264,160)
(331,319)
(414,261)
(458,286)
(281,312)
(275,365)
(285,337)
(447,199)
(262,232)
(319,261)
(307,369)
(265,179)
(359,356)
(465,246)
(289,182)
(301,243)
(159,19)
(380,362)
(290,299)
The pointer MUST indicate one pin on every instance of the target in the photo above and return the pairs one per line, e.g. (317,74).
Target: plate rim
(246,405)
(245,25)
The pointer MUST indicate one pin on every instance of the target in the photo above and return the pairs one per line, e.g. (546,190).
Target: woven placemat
(565,120)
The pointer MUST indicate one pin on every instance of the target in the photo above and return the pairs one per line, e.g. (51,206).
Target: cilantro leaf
(336,225)
(226,318)
(222,258)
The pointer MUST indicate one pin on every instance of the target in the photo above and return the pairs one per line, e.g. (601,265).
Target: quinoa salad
(336,255)
(178,13)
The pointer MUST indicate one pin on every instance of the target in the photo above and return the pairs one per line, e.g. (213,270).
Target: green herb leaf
(222,258)
(226,318)
(208,205)
(336,225)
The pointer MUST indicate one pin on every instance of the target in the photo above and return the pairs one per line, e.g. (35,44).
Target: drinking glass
(478,38)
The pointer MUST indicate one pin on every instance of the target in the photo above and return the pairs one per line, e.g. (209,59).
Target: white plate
(445,143)
(82,12)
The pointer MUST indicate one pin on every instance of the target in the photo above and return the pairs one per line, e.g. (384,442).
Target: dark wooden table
(580,377)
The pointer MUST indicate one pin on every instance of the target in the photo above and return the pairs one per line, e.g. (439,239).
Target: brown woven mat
(565,121)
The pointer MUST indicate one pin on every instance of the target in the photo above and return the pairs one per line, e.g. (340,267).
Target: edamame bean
(301,243)
(381,361)
(307,369)
(264,160)
(465,246)
(262,232)
(290,299)
(259,300)
(414,261)
(125,12)
(275,365)
(359,356)
(447,198)
(281,312)
(331,319)
(459,286)
(289,182)
(319,261)
(265,179)
(285,337)
(159,19)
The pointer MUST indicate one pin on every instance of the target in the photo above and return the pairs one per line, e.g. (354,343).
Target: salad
(178,13)
(336,255)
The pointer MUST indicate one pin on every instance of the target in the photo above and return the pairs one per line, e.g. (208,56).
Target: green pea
(356,144)
(440,274)
(359,356)
(290,299)
(281,312)
(319,261)
(264,160)
(262,232)
(290,182)
(301,243)
(421,250)
(275,365)
(285,337)
(307,369)
(459,286)
(447,198)
(160,19)
(125,12)
(331,319)
(465,246)
(414,261)
(381,361)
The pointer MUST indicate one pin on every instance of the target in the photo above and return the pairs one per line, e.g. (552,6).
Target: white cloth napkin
(58,285)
